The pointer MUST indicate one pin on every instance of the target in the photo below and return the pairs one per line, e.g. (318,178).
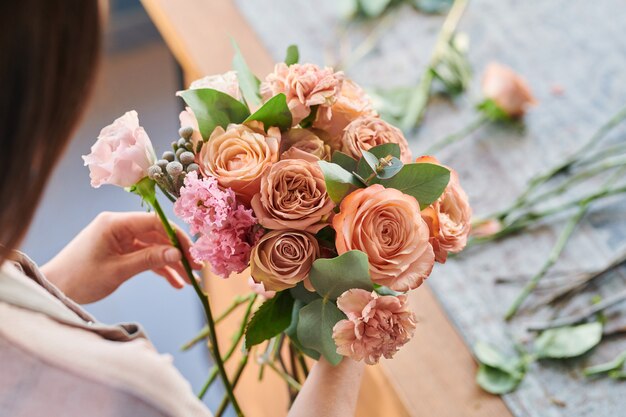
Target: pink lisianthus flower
(376,325)
(122,154)
(227,229)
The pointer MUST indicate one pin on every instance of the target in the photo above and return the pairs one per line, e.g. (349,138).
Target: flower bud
(162,163)
(174,168)
(181,143)
(179,151)
(185,132)
(192,167)
(186,158)
(169,156)
(174,145)
(155,172)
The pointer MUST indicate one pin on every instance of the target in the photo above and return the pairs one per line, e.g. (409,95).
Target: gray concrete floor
(144,79)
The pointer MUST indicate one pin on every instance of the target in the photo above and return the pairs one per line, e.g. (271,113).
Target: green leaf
(487,355)
(274,113)
(292,331)
(364,168)
(315,328)
(568,342)
(492,111)
(345,161)
(374,8)
(248,82)
(270,319)
(339,182)
(496,381)
(391,169)
(370,159)
(426,182)
(293,55)
(604,368)
(299,292)
(432,6)
(213,108)
(331,277)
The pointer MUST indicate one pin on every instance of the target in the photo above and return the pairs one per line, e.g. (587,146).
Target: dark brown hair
(49,51)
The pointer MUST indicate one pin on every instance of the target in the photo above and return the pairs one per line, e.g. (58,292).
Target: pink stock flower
(304,85)
(376,325)
(226,228)
(122,154)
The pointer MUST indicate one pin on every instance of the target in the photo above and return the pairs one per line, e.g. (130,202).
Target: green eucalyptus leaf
(293,55)
(488,355)
(373,8)
(273,113)
(605,368)
(315,328)
(426,182)
(273,317)
(392,168)
(299,292)
(345,161)
(364,169)
(331,277)
(432,6)
(339,182)
(496,381)
(213,108)
(292,331)
(248,82)
(569,341)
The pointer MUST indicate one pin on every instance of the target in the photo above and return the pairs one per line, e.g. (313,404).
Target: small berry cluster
(169,172)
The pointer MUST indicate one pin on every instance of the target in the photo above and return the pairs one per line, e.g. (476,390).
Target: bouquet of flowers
(298,180)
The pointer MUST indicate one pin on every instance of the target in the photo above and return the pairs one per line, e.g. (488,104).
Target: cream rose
(304,85)
(507,89)
(293,196)
(283,258)
(238,157)
(386,224)
(227,83)
(449,218)
(369,131)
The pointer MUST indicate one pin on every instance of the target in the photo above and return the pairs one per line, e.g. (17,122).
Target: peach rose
(386,224)
(122,154)
(376,325)
(238,157)
(227,83)
(369,131)
(304,85)
(283,258)
(351,104)
(293,196)
(507,89)
(307,140)
(449,218)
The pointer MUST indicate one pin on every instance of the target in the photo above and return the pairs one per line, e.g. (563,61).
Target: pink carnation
(376,325)
(227,250)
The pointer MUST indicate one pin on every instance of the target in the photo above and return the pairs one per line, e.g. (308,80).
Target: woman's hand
(113,248)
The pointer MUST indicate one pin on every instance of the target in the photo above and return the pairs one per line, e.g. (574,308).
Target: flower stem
(417,104)
(456,136)
(204,299)
(225,400)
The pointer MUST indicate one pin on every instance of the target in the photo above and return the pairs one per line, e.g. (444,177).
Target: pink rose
(122,154)
(449,218)
(369,131)
(304,85)
(283,258)
(386,224)
(351,104)
(238,157)
(293,196)
(306,140)
(376,325)
(227,83)
(507,89)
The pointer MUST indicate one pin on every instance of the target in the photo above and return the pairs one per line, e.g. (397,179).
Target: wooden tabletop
(434,374)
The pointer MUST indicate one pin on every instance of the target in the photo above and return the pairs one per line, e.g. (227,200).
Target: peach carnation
(376,325)
(507,89)
(305,86)
(386,224)
(238,157)
(369,131)
(449,218)
(293,196)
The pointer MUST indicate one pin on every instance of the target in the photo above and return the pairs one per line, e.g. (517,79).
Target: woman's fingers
(148,258)
(172,276)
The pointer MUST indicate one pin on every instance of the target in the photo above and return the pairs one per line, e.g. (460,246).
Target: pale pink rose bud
(304,85)
(507,89)
(386,224)
(227,83)
(449,218)
(486,228)
(122,154)
(376,325)
(366,132)
(351,104)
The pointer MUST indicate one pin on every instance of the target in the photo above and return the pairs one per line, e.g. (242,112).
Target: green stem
(225,401)
(204,333)
(457,136)
(417,104)
(204,299)
(288,378)
(237,338)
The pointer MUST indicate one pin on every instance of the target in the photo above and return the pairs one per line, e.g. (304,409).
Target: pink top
(57,360)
